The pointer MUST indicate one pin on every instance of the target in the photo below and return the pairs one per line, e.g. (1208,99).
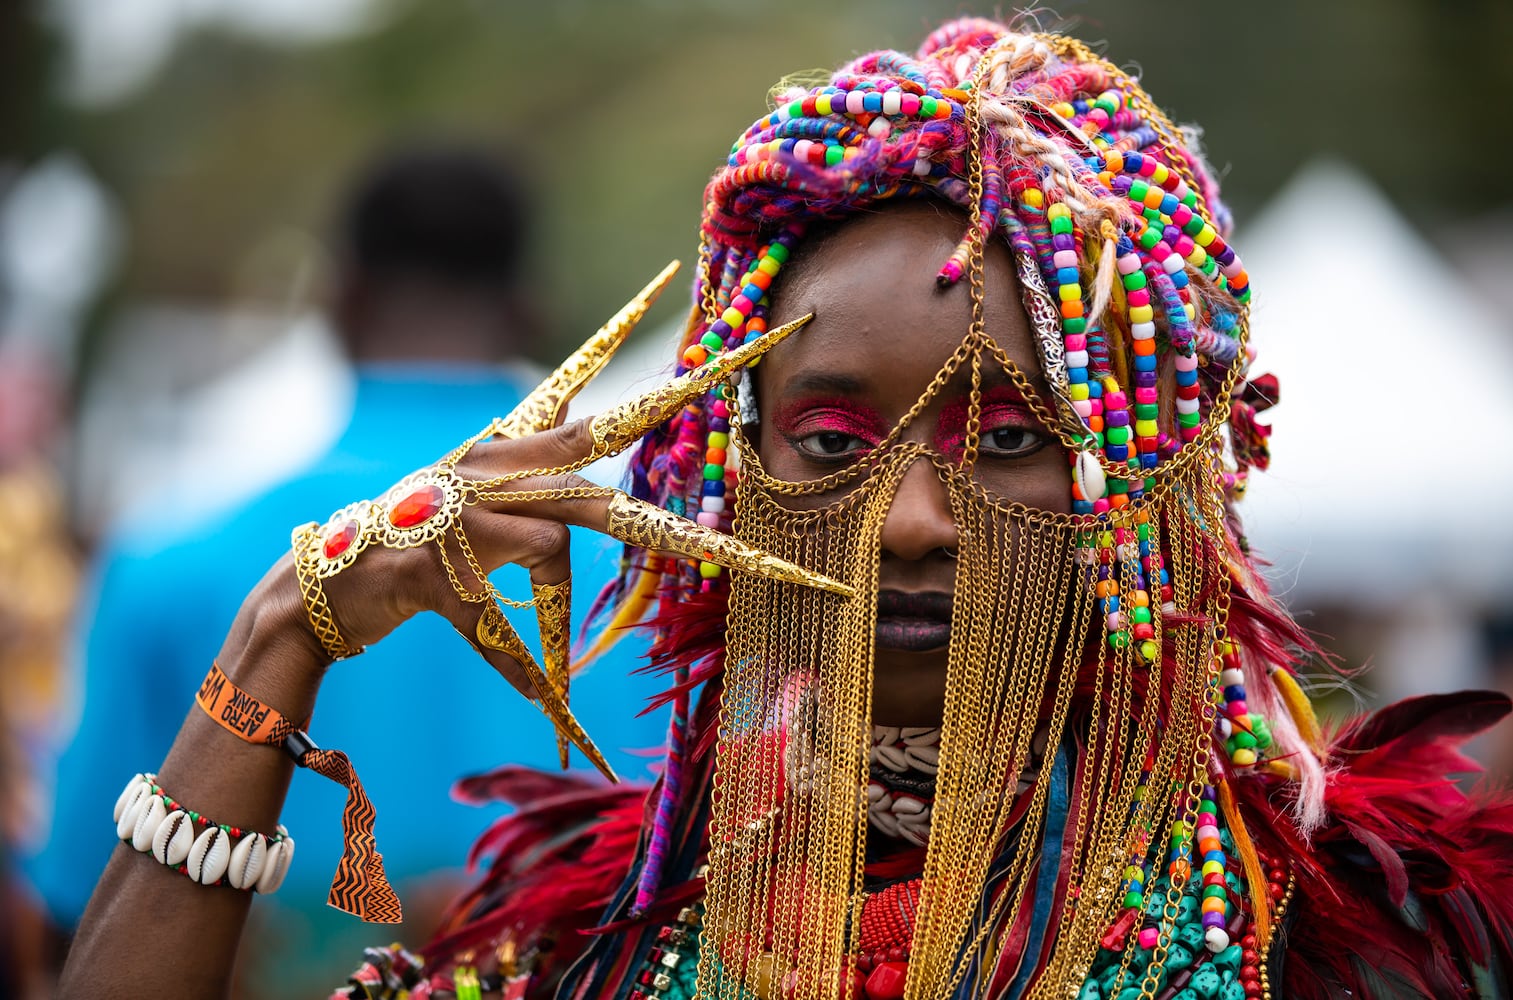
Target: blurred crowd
(257,261)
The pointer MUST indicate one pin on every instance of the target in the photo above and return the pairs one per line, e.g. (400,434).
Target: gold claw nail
(648,526)
(542,409)
(617,429)
(495,632)
(554,611)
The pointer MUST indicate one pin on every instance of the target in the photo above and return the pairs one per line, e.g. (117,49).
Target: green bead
(1142,615)
(927,107)
(1134,281)
(1119,640)
(1191,198)
(1262,729)
(1116,486)
(1189,419)
(1143,532)
(1214,892)
(1244,740)
(1230,958)
(1152,215)
(1138,189)
(714,473)
(1075,326)
(1134,900)
(1206,981)
(1147,411)
(712,341)
(1107,104)
(1117,435)
(1149,237)
(779,253)
(1191,935)
(1061,224)
(834,155)
(1194,226)
(796,109)
(1208,806)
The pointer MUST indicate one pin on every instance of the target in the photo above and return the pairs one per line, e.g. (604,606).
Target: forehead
(880,318)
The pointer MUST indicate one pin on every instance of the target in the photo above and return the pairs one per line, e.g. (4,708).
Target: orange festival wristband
(359,886)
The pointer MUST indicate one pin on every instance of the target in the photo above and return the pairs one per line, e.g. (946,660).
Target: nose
(919,522)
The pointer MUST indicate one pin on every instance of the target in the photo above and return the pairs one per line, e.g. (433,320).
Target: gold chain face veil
(1120,699)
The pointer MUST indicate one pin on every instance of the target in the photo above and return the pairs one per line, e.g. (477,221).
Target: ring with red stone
(343,538)
(418,509)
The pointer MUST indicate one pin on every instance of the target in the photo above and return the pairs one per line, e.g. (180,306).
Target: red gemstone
(417,507)
(887,981)
(340,539)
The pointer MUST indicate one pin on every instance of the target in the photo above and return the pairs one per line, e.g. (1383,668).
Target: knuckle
(540,537)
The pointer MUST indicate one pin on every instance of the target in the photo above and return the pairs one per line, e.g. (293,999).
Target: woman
(992,703)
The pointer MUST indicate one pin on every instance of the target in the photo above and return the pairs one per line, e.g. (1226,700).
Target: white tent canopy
(1392,441)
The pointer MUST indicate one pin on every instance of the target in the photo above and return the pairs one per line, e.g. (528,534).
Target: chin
(909,687)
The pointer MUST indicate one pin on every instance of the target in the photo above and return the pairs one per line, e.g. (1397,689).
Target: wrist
(272,647)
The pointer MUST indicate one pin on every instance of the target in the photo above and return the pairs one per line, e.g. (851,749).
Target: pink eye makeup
(1009,428)
(830,428)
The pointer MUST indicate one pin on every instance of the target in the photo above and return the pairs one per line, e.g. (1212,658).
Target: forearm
(148,929)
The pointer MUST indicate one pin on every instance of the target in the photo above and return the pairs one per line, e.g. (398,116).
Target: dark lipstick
(913,622)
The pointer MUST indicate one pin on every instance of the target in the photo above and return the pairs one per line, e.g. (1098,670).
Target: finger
(570,499)
(542,546)
(576,444)
(543,409)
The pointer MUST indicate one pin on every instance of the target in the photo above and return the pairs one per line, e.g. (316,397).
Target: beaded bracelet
(150,821)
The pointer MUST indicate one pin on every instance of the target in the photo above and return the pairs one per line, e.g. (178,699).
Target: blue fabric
(414,713)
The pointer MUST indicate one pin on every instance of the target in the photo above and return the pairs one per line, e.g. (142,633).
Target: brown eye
(830,444)
(1012,442)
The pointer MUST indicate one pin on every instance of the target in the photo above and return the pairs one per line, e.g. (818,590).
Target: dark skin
(881,330)
(880,333)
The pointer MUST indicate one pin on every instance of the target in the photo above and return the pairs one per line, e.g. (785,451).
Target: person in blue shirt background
(430,309)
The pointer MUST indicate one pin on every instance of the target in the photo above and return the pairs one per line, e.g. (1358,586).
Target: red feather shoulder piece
(1408,890)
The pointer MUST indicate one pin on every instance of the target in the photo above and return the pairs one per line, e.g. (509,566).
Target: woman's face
(881,332)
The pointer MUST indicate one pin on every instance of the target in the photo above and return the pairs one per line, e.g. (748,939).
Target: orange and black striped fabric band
(359,886)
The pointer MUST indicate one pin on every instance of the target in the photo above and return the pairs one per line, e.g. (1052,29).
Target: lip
(913,622)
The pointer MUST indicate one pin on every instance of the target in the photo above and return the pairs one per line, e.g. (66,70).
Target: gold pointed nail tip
(554,620)
(616,429)
(495,632)
(648,526)
(542,409)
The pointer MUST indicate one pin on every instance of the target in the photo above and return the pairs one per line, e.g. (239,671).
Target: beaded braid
(1093,190)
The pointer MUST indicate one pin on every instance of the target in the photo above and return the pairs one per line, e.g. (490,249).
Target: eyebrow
(993,376)
(826,382)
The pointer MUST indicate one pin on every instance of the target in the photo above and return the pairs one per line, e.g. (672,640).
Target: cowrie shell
(126,825)
(175,835)
(1090,479)
(247,861)
(209,856)
(125,798)
(148,818)
(276,865)
(893,758)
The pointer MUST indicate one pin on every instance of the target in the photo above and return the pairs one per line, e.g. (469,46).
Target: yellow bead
(1145,428)
(1137,314)
(719,439)
(822,104)
(1197,257)
(1069,293)
(768,266)
(1205,235)
(708,570)
(1033,197)
(1077,390)
(1159,175)
(1058,211)
(1213,868)
(1243,757)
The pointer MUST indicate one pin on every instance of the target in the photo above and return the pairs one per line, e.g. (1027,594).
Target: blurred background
(171,170)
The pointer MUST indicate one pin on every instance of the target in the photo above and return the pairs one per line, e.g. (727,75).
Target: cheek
(1041,482)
